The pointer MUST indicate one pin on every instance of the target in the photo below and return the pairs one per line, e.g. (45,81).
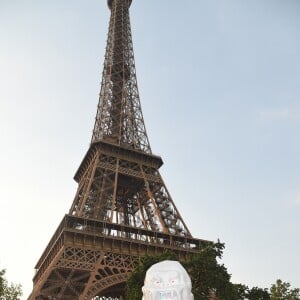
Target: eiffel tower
(122,209)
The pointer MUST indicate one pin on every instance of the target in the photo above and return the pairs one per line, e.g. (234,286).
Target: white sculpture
(167,280)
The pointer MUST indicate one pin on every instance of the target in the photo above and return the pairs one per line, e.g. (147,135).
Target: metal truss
(120,187)
(122,209)
(88,258)
(119,117)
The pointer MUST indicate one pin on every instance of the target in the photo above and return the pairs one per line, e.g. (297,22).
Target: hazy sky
(219,82)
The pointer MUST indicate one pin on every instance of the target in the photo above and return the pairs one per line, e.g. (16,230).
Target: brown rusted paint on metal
(122,209)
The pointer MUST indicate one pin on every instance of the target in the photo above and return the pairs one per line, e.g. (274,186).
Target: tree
(282,291)
(2,282)
(207,275)
(9,291)
(210,279)
(243,292)
(240,291)
(257,293)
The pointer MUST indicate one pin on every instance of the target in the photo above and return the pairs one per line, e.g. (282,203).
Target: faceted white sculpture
(167,280)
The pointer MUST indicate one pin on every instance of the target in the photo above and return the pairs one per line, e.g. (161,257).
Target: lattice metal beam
(122,209)
(119,117)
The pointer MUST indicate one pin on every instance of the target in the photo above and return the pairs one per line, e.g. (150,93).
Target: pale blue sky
(219,83)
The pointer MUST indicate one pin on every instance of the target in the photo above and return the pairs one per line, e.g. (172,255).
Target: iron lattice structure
(122,209)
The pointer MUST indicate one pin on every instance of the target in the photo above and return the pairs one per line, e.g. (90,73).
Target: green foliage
(240,291)
(208,275)
(2,282)
(210,279)
(257,293)
(9,291)
(282,291)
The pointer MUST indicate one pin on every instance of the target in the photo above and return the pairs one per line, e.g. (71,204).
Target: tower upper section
(119,118)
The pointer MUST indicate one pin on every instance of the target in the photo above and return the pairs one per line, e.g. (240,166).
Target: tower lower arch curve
(110,286)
